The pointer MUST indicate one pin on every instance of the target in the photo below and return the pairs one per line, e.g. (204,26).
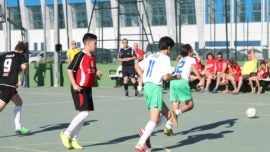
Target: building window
(157,12)
(79,16)
(104,14)
(242,10)
(1,26)
(256,10)
(228,15)
(35,17)
(60,16)
(35,46)
(129,13)
(187,11)
(211,11)
(15,18)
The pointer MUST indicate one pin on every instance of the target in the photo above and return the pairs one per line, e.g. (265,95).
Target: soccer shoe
(174,119)
(148,142)
(66,140)
(22,131)
(138,94)
(126,93)
(139,148)
(76,145)
(168,132)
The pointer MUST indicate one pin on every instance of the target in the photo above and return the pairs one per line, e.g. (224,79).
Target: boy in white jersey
(155,69)
(179,89)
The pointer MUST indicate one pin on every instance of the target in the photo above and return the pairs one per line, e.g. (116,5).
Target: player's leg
(125,83)
(149,128)
(258,85)
(240,82)
(217,82)
(20,130)
(2,105)
(132,74)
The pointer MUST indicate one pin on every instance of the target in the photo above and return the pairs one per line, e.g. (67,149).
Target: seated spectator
(199,67)
(261,74)
(209,71)
(221,66)
(249,70)
(234,76)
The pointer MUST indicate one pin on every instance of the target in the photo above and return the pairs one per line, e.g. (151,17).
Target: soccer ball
(251,112)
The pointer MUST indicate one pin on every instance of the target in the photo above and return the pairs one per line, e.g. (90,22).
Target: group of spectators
(225,72)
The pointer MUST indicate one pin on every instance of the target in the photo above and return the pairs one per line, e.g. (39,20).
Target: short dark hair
(219,53)
(165,43)
(20,47)
(185,49)
(89,36)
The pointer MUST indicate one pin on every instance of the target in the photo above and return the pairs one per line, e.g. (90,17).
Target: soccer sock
(162,120)
(149,128)
(169,124)
(17,117)
(76,122)
(126,87)
(135,86)
(139,88)
(76,131)
(178,112)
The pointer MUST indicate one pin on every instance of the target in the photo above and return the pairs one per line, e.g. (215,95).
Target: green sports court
(217,123)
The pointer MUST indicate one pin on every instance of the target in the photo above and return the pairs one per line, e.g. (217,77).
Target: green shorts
(153,96)
(180,91)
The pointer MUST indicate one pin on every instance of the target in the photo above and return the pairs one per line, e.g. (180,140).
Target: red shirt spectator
(139,52)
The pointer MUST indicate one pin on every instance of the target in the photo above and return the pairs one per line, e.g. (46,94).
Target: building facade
(205,24)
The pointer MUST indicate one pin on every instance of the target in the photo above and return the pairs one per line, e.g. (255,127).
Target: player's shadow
(228,123)
(121,139)
(50,128)
(192,139)
(58,126)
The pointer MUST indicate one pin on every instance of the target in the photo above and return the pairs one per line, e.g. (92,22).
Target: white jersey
(155,67)
(184,67)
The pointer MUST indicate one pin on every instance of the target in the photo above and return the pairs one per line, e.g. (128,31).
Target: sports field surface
(216,124)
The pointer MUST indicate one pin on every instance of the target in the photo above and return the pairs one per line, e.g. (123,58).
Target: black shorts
(6,93)
(128,71)
(83,100)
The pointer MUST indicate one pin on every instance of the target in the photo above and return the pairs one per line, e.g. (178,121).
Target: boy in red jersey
(81,72)
(233,75)
(209,71)
(221,66)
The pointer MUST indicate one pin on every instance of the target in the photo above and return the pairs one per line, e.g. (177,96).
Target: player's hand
(99,73)
(77,88)
(201,83)
(177,76)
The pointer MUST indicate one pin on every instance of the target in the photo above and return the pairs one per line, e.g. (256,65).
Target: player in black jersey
(127,56)
(11,63)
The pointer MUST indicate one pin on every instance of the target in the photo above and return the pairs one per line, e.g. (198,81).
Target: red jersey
(198,64)
(237,71)
(139,54)
(219,65)
(84,68)
(210,65)
(262,73)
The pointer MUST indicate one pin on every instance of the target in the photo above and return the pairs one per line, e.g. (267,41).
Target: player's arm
(75,86)
(224,67)
(24,68)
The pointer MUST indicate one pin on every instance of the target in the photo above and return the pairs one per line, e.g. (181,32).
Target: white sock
(76,131)
(169,124)
(149,128)
(76,122)
(162,120)
(139,88)
(17,117)
(178,112)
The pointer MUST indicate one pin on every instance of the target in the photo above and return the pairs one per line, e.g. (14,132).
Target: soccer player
(140,57)
(10,65)
(127,56)
(155,68)
(180,89)
(81,72)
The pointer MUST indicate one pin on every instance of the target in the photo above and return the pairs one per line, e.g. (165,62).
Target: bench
(117,76)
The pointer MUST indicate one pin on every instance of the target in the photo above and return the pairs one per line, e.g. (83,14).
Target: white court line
(21,149)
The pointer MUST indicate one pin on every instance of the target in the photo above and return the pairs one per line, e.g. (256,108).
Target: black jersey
(10,66)
(127,53)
